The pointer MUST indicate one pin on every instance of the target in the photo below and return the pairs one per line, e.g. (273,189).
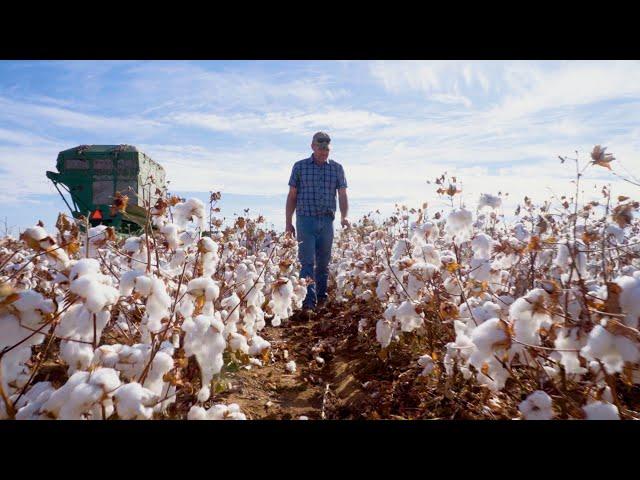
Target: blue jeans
(315,238)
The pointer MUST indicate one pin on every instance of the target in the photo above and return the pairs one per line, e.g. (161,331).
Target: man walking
(312,195)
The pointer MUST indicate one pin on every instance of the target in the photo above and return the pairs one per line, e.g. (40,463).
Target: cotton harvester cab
(92,174)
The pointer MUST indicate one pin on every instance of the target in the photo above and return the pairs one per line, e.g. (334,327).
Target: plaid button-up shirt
(316,186)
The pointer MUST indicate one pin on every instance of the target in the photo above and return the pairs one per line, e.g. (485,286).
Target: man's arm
(344,206)
(291,206)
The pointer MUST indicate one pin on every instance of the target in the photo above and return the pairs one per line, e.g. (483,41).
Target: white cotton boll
(258,345)
(482,245)
(204,393)
(601,411)
(452,286)
(158,305)
(490,201)
(459,224)
(203,338)
(612,350)
(528,314)
(408,317)
(216,412)
(197,413)
(30,406)
(84,266)
(95,291)
(191,210)
(384,332)
(400,249)
(238,342)
(426,362)
(382,289)
(562,259)
(567,339)
(290,367)
(133,245)
(128,281)
(480,313)
(488,334)
(134,402)
(204,286)
(537,406)
(32,305)
(630,299)
(480,269)
(170,231)
(143,285)
(83,392)
(276,321)
(76,355)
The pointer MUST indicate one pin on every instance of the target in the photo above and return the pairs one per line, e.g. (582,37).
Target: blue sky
(238,126)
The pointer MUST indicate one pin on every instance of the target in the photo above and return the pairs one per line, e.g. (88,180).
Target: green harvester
(92,174)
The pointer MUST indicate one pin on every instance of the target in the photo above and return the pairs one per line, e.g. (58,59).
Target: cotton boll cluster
(131,362)
(528,315)
(134,402)
(170,232)
(136,250)
(190,211)
(612,350)
(204,338)
(630,298)
(217,412)
(38,239)
(27,314)
(154,292)
(490,338)
(407,317)
(85,396)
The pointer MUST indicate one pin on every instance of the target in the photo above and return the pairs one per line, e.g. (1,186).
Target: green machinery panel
(92,174)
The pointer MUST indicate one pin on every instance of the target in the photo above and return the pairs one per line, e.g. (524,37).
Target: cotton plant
(22,324)
(82,324)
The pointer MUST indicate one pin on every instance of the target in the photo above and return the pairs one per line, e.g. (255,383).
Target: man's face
(320,151)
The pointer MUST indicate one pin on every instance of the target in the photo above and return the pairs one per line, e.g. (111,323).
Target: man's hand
(290,229)
(345,222)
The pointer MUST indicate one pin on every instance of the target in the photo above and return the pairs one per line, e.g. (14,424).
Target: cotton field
(535,318)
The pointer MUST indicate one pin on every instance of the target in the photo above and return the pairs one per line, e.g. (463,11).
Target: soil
(340,373)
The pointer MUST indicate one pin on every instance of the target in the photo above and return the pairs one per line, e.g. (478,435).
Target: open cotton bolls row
(216,412)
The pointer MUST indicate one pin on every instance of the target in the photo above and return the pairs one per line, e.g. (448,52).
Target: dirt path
(326,352)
